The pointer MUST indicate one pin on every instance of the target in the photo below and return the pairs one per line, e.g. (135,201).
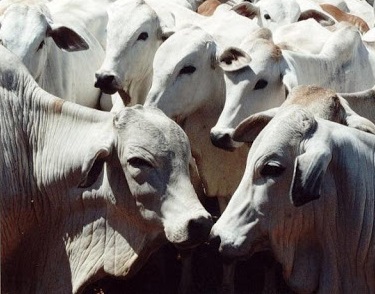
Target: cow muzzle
(196,232)
(223,140)
(107,83)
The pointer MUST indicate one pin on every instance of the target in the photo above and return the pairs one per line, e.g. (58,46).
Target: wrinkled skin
(273,72)
(47,42)
(90,193)
(135,30)
(301,196)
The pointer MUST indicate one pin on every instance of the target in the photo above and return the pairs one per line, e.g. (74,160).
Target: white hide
(135,31)
(265,80)
(196,107)
(86,193)
(44,40)
(319,166)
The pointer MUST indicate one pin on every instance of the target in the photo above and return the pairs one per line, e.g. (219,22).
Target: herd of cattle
(118,119)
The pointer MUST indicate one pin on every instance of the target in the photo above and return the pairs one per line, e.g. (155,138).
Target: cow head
(134,32)
(154,154)
(250,88)
(28,31)
(285,169)
(185,74)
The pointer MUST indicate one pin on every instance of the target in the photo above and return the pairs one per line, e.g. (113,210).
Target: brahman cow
(44,36)
(356,111)
(308,195)
(134,32)
(85,193)
(272,72)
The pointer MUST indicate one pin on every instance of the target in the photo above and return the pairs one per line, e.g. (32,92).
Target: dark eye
(40,46)
(261,84)
(139,162)
(143,36)
(272,169)
(267,16)
(187,70)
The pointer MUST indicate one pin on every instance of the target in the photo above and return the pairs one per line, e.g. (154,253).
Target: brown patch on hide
(57,105)
(322,102)
(208,7)
(340,15)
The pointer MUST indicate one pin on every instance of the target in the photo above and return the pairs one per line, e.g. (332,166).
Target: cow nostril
(223,141)
(215,242)
(199,229)
(106,83)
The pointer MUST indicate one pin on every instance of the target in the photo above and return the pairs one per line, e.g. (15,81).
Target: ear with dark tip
(309,170)
(320,17)
(233,59)
(250,127)
(246,9)
(92,167)
(67,39)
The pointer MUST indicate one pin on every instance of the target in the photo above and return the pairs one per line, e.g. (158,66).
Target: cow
(134,32)
(326,103)
(85,193)
(339,15)
(197,108)
(46,37)
(307,193)
(273,72)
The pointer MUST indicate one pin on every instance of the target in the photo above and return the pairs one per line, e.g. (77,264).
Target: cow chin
(231,252)
(196,232)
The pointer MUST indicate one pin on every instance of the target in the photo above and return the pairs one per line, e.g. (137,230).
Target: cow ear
(246,9)
(320,17)
(92,166)
(360,123)
(166,33)
(233,59)
(250,127)
(309,170)
(67,39)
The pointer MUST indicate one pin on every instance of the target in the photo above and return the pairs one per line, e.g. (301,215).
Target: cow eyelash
(187,70)
(40,46)
(267,16)
(143,36)
(272,169)
(261,84)
(139,162)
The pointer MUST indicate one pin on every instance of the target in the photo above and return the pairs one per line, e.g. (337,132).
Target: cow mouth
(232,254)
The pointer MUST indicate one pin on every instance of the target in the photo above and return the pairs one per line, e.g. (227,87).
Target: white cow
(307,193)
(135,31)
(86,193)
(263,82)
(188,86)
(44,36)
(356,110)
(272,15)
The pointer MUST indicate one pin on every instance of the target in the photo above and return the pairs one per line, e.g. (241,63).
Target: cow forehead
(184,44)
(149,128)
(287,129)
(19,19)
(123,11)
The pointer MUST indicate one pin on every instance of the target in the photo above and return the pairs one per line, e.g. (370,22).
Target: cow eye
(143,36)
(261,84)
(267,16)
(139,162)
(272,169)
(40,45)
(187,70)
